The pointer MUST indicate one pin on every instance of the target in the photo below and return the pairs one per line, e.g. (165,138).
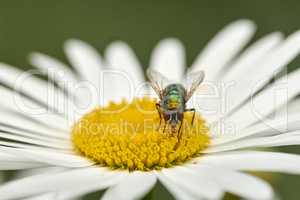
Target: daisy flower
(93,126)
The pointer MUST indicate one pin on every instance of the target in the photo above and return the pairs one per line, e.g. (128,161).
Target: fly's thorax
(175,88)
(173,98)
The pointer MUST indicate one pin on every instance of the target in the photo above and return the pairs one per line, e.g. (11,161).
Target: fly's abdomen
(173,117)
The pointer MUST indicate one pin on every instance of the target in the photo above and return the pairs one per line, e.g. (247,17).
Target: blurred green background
(33,25)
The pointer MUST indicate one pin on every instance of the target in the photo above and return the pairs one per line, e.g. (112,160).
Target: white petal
(108,179)
(33,147)
(223,48)
(168,58)
(10,157)
(28,83)
(252,55)
(235,74)
(77,88)
(56,182)
(267,68)
(292,108)
(127,72)
(178,192)
(255,161)
(12,165)
(34,135)
(48,196)
(267,101)
(84,58)
(19,122)
(244,185)
(120,56)
(39,171)
(58,71)
(97,81)
(123,69)
(56,158)
(52,144)
(16,162)
(197,182)
(285,139)
(134,186)
(238,183)
(274,127)
(21,104)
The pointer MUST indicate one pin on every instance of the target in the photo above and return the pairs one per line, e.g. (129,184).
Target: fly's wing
(158,81)
(193,80)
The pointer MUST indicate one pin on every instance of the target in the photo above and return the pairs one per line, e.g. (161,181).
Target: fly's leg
(179,135)
(194,112)
(165,127)
(179,130)
(159,113)
(166,124)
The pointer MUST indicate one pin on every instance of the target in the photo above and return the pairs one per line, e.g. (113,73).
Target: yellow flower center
(128,135)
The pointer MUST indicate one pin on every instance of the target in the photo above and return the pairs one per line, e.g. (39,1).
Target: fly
(173,98)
